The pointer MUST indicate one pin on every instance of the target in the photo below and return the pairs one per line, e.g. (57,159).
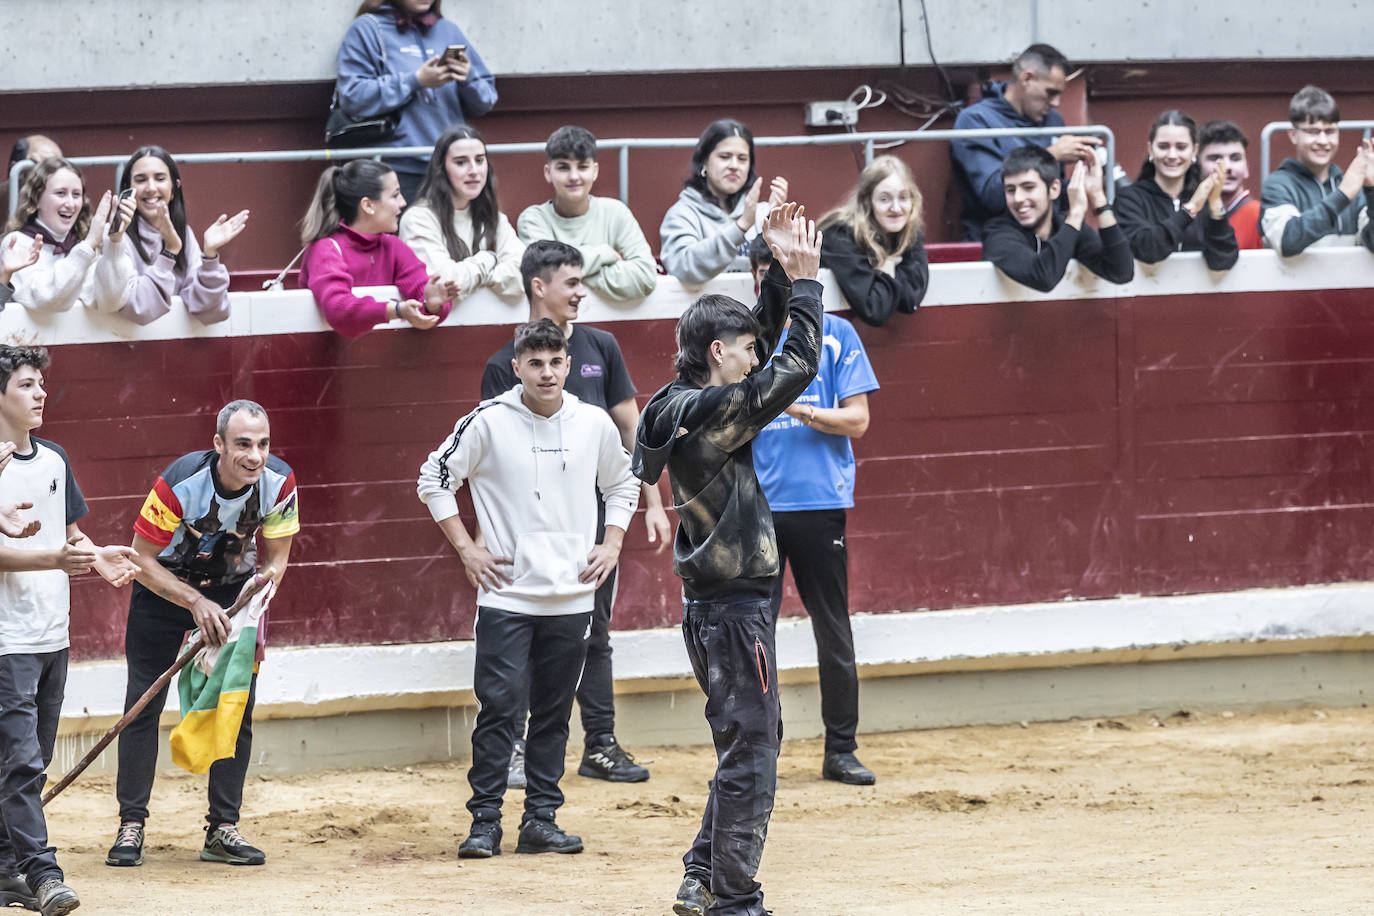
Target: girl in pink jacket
(349,237)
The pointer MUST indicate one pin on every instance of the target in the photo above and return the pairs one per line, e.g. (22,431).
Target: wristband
(393,309)
(168,254)
(1105,208)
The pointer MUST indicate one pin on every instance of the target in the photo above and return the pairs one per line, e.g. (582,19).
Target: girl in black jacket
(873,243)
(1170,206)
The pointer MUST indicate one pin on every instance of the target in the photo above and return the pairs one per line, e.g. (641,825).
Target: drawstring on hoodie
(534,445)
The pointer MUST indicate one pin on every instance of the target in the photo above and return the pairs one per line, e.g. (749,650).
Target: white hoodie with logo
(534,481)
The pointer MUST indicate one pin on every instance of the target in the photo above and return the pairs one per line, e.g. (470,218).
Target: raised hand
(751,205)
(1071,147)
(1367,156)
(14,525)
(438,291)
(1097,190)
(794,240)
(1078,194)
(6,453)
(1218,176)
(777,192)
(115,564)
(95,233)
(223,231)
(21,252)
(124,212)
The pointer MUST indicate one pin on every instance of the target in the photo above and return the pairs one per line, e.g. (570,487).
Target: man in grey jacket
(1309,200)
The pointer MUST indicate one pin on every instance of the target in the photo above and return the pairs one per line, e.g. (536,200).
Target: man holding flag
(196,543)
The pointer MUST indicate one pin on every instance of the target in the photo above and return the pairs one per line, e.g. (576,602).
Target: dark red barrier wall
(1018,452)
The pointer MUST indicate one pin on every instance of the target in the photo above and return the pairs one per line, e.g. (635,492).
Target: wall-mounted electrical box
(831,114)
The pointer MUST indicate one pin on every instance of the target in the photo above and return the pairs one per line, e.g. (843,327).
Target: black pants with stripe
(731,645)
(814,542)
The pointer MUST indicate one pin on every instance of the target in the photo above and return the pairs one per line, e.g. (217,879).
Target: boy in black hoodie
(1032,245)
(700,428)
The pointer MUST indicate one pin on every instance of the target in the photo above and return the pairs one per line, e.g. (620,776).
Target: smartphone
(456,52)
(114,218)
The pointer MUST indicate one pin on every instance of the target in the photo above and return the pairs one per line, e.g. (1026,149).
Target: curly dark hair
(12,359)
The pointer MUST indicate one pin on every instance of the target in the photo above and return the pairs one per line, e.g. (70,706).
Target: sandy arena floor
(1205,814)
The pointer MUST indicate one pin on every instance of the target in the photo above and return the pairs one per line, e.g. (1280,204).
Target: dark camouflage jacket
(725,542)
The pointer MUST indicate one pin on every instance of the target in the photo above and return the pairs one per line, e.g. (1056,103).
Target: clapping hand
(777,192)
(794,240)
(223,231)
(751,205)
(95,233)
(19,254)
(437,292)
(124,210)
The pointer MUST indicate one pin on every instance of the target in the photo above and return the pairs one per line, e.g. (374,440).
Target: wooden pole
(259,581)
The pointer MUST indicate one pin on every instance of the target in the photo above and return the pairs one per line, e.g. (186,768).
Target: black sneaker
(15,889)
(483,842)
(515,774)
(693,898)
(846,768)
(539,835)
(612,763)
(55,898)
(225,844)
(128,845)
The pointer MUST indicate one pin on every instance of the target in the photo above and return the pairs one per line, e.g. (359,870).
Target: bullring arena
(1110,562)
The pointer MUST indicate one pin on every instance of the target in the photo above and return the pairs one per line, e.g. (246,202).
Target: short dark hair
(570,142)
(1221,132)
(710,138)
(226,413)
(1312,103)
(1031,158)
(13,358)
(712,317)
(540,336)
(543,257)
(1040,58)
(759,253)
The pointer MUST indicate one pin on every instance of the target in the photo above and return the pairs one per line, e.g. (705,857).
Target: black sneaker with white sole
(612,763)
(225,844)
(128,845)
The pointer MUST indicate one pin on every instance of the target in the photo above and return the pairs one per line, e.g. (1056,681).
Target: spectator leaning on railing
(1032,245)
(1309,200)
(1029,99)
(403,56)
(708,230)
(159,257)
(53,208)
(349,242)
(1152,211)
(873,243)
(616,259)
(456,227)
(1224,143)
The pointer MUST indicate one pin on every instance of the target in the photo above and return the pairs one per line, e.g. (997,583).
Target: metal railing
(623,146)
(1267,135)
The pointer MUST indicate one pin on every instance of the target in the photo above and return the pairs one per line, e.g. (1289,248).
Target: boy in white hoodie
(534,457)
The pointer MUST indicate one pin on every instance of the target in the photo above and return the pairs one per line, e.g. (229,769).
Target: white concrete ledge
(324,680)
(294,311)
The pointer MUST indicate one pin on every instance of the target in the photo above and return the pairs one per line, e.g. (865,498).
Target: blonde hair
(856,213)
(31,190)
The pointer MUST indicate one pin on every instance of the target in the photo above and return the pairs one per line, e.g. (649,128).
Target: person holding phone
(159,257)
(403,56)
(53,207)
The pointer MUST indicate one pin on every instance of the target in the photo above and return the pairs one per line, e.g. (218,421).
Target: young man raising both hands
(34,617)
(535,457)
(1032,246)
(597,375)
(700,427)
(196,538)
(1309,200)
